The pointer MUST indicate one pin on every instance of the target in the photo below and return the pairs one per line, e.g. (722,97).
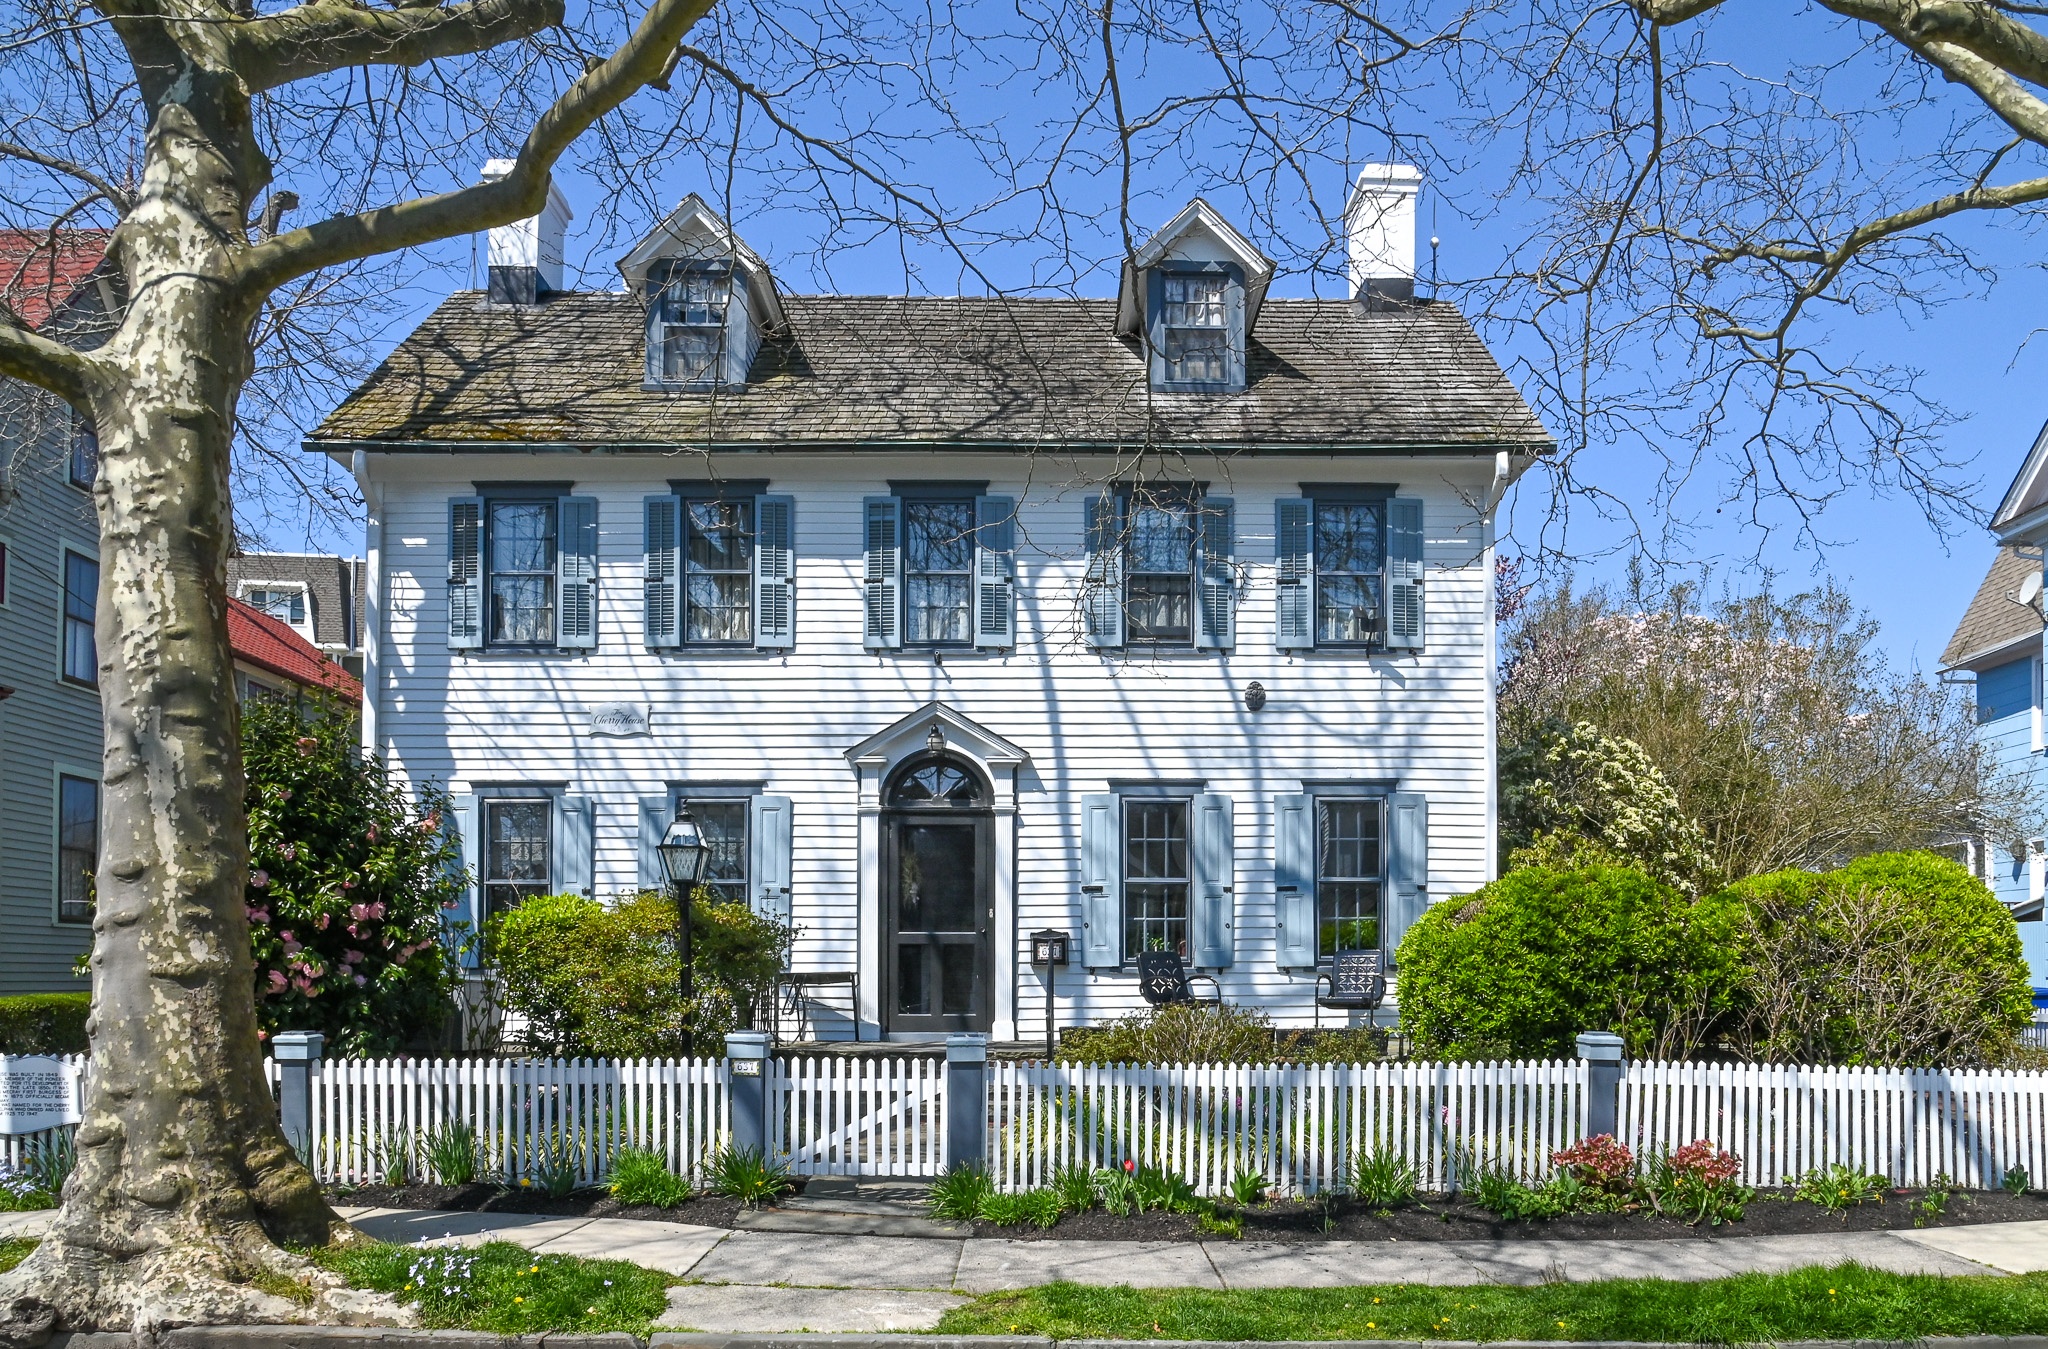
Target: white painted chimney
(526,255)
(1379,224)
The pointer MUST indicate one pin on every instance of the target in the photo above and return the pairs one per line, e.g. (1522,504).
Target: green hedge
(44,1023)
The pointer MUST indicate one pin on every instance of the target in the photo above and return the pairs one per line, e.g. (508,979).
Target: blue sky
(1975,352)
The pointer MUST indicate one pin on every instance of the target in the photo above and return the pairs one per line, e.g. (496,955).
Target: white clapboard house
(1166,620)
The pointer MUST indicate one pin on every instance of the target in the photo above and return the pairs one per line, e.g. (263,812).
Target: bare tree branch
(35,359)
(328,35)
(122,200)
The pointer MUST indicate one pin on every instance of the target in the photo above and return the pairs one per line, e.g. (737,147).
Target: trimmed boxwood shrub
(1518,968)
(1896,958)
(44,1023)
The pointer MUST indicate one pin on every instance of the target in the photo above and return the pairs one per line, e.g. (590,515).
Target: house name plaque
(36,1093)
(618,719)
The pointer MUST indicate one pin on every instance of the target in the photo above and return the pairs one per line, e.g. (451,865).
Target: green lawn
(14,1250)
(1846,1302)
(501,1288)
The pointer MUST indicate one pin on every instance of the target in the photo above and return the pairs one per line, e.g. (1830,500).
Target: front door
(936,948)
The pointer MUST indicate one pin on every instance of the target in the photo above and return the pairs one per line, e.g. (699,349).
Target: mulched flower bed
(1773,1214)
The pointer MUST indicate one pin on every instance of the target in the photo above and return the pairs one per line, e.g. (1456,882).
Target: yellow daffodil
(519,1299)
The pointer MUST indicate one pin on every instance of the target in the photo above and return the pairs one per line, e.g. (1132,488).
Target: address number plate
(746,1067)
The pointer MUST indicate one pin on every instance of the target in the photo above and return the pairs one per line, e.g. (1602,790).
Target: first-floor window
(78,847)
(81,602)
(1347,876)
(518,857)
(1156,879)
(723,824)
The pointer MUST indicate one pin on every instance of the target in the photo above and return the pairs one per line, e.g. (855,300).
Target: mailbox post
(1049,948)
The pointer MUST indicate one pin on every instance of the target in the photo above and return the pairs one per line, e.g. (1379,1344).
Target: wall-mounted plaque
(618,719)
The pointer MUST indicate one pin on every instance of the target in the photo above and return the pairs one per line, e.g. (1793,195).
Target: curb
(365,1337)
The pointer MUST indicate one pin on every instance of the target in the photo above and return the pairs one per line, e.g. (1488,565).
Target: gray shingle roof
(877,371)
(334,583)
(1993,620)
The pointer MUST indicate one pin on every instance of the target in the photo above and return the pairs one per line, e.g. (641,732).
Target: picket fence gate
(858,1116)
(1299,1126)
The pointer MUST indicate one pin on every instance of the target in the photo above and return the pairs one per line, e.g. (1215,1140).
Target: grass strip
(1844,1302)
(14,1250)
(502,1288)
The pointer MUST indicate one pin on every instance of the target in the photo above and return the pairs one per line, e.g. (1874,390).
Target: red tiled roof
(39,271)
(271,644)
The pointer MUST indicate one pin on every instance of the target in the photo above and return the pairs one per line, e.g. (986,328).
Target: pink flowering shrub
(1599,1161)
(1710,1165)
(347,882)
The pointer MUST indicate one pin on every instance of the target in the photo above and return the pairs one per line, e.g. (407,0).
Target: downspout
(373,597)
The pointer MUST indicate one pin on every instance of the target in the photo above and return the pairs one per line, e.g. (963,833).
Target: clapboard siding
(1085,717)
(47,726)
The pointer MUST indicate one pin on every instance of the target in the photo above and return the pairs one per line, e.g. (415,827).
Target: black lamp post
(683,855)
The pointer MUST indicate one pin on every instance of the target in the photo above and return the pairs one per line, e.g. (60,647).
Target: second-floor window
(81,602)
(1348,570)
(522,572)
(286,606)
(938,568)
(84,461)
(718,582)
(1159,586)
(719,568)
(1162,569)
(938,572)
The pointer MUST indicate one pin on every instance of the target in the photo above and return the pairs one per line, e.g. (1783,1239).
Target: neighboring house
(1165,620)
(318,596)
(2000,642)
(62,286)
(272,659)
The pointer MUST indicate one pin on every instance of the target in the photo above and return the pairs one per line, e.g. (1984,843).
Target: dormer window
(1197,329)
(1189,301)
(690,308)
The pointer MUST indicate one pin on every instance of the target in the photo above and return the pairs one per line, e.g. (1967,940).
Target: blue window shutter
(1240,340)
(1214,855)
(772,840)
(1404,574)
(575,847)
(1102,944)
(1407,892)
(465,819)
(1102,593)
(1294,574)
(661,609)
(882,605)
(774,573)
(1155,326)
(465,573)
(995,571)
(1216,575)
(1294,882)
(655,813)
(576,575)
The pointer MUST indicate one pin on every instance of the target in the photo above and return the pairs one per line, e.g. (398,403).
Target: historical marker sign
(36,1093)
(618,719)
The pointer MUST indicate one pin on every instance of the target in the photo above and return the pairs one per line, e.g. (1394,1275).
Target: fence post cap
(1600,1046)
(297,1046)
(746,1044)
(968,1047)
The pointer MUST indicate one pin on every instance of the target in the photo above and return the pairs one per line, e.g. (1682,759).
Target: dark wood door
(936,948)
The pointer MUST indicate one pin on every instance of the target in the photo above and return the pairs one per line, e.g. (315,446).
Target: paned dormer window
(1197,327)
(687,326)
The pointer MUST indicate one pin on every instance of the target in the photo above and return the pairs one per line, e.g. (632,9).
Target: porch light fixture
(683,856)
(935,739)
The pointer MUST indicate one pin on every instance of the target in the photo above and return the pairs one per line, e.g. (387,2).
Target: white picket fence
(1299,1126)
(858,1116)
(1912,1125)
(367,1112)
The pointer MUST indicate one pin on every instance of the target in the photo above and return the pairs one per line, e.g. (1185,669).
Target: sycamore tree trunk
(184,1183)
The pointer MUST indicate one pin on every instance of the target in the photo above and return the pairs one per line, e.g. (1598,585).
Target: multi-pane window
(723,825)
(1197,327)
(718,587)
(287,606)
(691,320)
(84,461)
(78,847)
(522,542)
(81,600)
(1158,599)
(1350,551)
(1347,876)
(518,855)
(938,568)
(1156,876)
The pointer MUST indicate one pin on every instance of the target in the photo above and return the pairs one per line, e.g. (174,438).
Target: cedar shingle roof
(1993,619)
(879,371)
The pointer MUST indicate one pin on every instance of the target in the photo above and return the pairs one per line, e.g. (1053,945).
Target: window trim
(65,550)
(971,574)
(305,592)
(58,772)
(487,617)
(486,798)
(752,572)
(1377,641)
(659,277)
(1383,878)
